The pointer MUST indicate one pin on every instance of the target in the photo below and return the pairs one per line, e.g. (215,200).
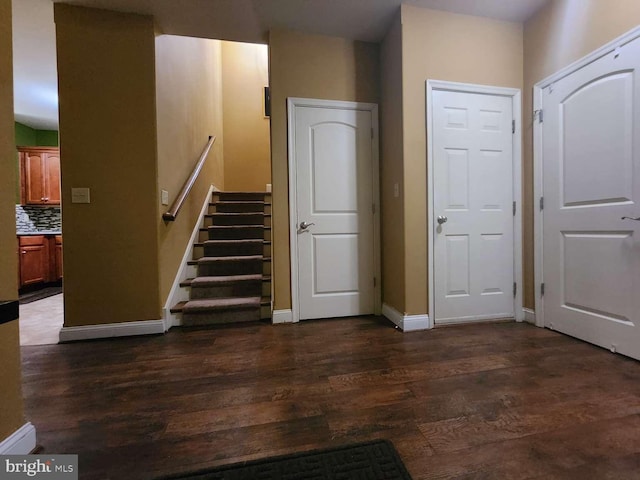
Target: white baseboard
(177,293)
(406,323)
(282,316)
(108,330)
(20,442)
(529,315)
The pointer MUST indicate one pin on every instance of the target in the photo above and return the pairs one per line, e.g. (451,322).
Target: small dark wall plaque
(8,311)
(267,102)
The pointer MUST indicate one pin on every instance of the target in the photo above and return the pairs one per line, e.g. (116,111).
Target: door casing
(538,190)
(292,104)
(515,96)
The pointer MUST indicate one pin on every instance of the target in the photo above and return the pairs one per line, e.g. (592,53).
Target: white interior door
(334,196)
(473,212)
(591,179)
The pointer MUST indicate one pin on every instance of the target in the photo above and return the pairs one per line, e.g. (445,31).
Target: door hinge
(542,289)
(514,208)
(515,288)
(541,203)
(513,126)
(538,114)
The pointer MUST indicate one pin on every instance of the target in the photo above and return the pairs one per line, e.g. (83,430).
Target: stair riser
(245,267)
(232,219)
(239,197)
(232,249)
(238,208)
(219,317)
(236,233)
(243,289)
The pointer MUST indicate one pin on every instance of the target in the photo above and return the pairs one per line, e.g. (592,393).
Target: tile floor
(41,321)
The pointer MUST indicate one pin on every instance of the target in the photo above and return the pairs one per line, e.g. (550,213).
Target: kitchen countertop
(43,232)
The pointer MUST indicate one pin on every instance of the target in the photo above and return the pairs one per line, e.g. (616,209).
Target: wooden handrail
(171,214)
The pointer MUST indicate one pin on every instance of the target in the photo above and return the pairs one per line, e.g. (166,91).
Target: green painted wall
(47,138)
(30,137)
(27,136)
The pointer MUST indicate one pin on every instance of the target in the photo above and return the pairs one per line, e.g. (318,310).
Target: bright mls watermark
(52,467)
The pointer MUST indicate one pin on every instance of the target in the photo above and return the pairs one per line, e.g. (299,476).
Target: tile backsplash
(38,219)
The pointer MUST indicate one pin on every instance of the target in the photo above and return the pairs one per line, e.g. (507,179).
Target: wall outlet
(164,196)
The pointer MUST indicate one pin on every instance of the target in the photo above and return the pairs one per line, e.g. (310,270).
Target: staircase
(232,262)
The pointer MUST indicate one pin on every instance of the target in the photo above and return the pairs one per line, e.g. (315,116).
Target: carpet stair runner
(233,262)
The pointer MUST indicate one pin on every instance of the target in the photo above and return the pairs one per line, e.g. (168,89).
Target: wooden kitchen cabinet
(34,259)
(39,175)
(40,259)
(56,258)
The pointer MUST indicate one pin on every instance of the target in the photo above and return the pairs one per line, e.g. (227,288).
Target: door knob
(442,219)
(305,225)
(637,219)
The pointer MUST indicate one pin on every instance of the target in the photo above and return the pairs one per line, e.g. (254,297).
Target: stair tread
(177,308)
(222,259)
(236,226)
(242,214)
(232,192)
(214,280)
(232,241)
(187,282)
(230,258)
(239,202)
(208,304)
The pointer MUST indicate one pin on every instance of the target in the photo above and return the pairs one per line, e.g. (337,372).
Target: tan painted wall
(108,143)
(561,33)
(443,46)
(392,171)
(247,150)
(189,109)
(11,408)
(310,66)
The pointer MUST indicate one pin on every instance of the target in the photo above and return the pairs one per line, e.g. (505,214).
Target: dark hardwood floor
(504,401)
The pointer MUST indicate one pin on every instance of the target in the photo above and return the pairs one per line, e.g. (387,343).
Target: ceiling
(236,20)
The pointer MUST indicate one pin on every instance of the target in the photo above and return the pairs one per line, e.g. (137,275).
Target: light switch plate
(80,195)
(164,197)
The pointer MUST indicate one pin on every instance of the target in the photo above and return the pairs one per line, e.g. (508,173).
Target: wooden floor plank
(500,400)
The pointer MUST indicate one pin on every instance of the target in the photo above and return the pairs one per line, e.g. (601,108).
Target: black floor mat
(375,460)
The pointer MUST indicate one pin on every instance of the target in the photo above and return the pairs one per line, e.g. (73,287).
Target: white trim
(281,316)
(529,316)
(292,103)
(406,323)
(177,293)
(20,442)
(108,330)
(516,102)
(538,219)
(538,190)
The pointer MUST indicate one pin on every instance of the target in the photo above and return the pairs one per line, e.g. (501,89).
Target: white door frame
(515,96)
(292,103)
(538,187)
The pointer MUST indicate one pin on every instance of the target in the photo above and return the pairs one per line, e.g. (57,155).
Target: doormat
(39,295)
(375,460)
